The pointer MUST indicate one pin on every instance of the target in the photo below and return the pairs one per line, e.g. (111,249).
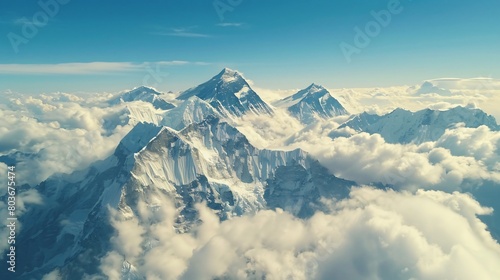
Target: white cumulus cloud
(374,234)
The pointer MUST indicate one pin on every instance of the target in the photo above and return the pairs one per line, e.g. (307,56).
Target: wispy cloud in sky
(86,68)
(457,48)
(183,32)
(230,24)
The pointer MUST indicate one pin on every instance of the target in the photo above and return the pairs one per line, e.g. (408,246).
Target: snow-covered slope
(192,110)
(208,161)
(312,102)
(145,94)
(189,111)
(229,93)
(402,126)
(142,112)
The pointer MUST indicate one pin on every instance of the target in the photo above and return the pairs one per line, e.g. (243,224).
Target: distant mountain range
(403,126)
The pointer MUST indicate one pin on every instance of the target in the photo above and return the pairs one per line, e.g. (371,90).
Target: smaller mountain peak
(146,94)
(400,110)
(309,92)
(144,88)
(314,91)
(427,84)
(429,87)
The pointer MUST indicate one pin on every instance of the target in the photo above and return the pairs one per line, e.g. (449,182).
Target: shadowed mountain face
(209,162)
(229,93)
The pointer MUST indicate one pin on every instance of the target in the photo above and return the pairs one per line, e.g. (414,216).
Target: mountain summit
(312,102)
(145,94)
(229,93)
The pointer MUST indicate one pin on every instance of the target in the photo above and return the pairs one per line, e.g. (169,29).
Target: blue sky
(173,45)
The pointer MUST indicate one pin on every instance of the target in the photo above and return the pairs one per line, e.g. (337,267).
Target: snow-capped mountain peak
(428,87)
(297,97)
(229,75)
(315,87)
(311,103)
(144,89)
(143,93)
(230,94)
(139,93)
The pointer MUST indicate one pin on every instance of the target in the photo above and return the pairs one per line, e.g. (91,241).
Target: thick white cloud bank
(374,234)
(49,134)
(462,157)
(57,133)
